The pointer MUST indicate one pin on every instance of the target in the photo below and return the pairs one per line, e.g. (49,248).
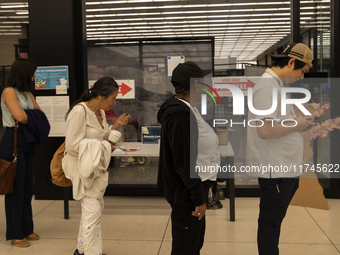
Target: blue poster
(48,77)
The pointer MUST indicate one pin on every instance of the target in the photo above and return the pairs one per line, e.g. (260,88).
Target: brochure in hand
(128,148)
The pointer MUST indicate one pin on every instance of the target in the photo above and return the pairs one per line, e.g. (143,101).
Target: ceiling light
(97,10)
(18,17)
(21,12)
(10,22)
(10,33)
(13,6)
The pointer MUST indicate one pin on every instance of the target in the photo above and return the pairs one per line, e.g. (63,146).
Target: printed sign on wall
(243,83)
(173,62)
(55,109)
(48,77)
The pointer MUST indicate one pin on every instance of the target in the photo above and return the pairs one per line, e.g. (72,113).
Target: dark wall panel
(57,37)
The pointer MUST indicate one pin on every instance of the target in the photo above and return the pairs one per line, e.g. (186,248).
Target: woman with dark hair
(87,156)
(16,98)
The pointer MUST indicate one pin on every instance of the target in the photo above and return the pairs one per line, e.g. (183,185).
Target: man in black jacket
(178,153)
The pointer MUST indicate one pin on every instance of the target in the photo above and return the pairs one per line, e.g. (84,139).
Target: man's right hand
(199,211)
(304,122)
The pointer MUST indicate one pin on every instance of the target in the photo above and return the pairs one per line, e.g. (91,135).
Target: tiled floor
(140,226)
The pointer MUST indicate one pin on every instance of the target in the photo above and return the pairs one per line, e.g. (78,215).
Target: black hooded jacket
(178,154)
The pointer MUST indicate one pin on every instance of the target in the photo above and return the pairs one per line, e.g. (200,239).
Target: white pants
(90,236)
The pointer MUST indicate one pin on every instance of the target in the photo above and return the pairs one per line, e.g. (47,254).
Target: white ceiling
(243,29)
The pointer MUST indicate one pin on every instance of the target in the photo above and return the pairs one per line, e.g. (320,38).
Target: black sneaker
(77,253)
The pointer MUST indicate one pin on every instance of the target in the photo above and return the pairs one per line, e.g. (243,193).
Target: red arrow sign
(123,89)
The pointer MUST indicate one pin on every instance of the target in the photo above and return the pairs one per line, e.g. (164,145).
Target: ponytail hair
(104,87)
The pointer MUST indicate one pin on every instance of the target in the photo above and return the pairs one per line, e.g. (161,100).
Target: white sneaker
(128,159)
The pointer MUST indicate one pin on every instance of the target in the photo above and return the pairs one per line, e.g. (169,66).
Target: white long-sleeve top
(87,153)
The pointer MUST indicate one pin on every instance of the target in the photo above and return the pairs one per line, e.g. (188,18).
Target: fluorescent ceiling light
(98,10)
(10,22)
(10,33)
(127,1)
(248,33)
(18,17)
(21,12)
(10,26)
(13,6)
(10,30)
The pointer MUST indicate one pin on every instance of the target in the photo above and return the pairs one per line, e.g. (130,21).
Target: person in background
(17,97)
(277,145)
(111,118)
(87,156)
(178,158)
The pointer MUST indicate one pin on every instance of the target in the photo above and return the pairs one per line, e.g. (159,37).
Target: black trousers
(19,219)
(276,195)
(187,231)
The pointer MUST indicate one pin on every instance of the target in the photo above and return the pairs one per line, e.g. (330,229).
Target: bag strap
(15,142)
(85,118)
(83,107)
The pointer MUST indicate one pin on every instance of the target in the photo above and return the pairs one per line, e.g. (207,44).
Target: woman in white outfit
(87,156)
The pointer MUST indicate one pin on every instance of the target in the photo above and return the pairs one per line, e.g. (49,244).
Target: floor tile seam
(104,239)
(322,230)
(162,240)
(132,240)
(309,243)
(238,242)
(218,241)
(44,209)
(166,227)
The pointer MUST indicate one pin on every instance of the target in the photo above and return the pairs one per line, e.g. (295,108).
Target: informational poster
(126,88)
(48,77)
(173,62)
(55,109)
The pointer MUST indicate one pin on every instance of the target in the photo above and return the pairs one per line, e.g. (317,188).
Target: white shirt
(88,154)
(208,152)
(286,151)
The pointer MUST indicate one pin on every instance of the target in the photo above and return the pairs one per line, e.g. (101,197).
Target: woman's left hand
(123,119)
